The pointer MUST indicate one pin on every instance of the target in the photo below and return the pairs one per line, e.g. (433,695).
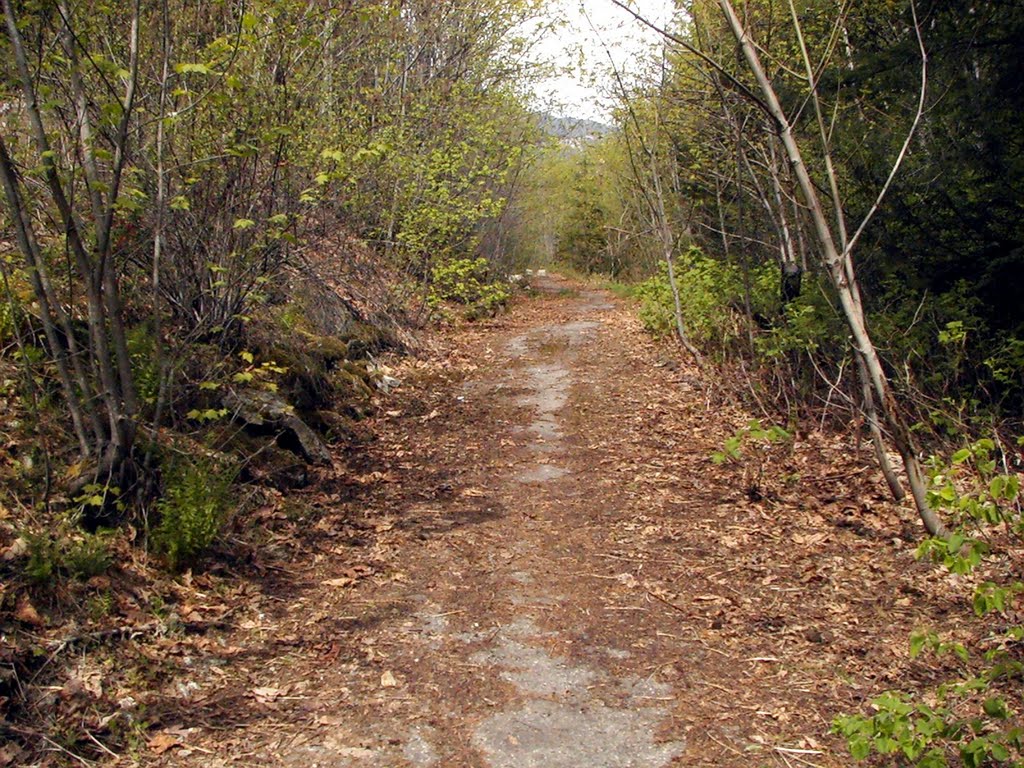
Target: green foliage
(708,291)
(263,374)
(899,726)
(43,558)
(970,716)
(974,495)
(89,555)
(65,554)
(656,305)
(145,368)
(10,312)
(755,434)
(749,447)
(582,238)
(195,504)
(925,735)
(467,282)
(807,327)
(1006,365)
(96,497)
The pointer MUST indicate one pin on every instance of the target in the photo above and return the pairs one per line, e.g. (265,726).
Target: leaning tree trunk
(840,269)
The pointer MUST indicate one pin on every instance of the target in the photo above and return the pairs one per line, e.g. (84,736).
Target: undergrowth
(195,504)
(972,720)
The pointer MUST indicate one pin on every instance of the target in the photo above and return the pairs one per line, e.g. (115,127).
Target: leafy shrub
(945,339)
(7,321)
(43,558)
(467,282)
(1006,366)
(15,295)
(89,555)
(806,327)
(52,555)
(969,716)
(194,506)
(708,292)
(753,433)
(146,371)
(748,447)
(656,310)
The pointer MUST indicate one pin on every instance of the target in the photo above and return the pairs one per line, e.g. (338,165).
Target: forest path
(542,569)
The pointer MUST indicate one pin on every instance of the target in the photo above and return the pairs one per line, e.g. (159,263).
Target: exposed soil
(536,564)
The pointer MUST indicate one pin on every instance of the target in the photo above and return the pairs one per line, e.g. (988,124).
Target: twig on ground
(725,746)
(102,746)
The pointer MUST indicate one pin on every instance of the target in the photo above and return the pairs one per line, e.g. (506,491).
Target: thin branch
(906,142)
(749,94)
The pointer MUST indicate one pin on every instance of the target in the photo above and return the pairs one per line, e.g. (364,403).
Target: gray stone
(270,410)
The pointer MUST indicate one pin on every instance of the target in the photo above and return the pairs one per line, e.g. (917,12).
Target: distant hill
(572,129)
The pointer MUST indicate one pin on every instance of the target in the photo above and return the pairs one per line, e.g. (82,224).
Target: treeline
(165,164)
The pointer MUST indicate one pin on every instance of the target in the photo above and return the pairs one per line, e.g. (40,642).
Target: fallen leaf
(473,493)
(357,752)
(18,548)
(27,613)
(388,680)
(87,678)
(163,742)
(99,582)
(267,695)
(9,754)
(342,582)
(333,720)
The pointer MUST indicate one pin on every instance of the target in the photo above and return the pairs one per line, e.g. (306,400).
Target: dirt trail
(555,580)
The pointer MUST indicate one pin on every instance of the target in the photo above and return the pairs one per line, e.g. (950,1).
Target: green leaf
(191,68)
(961,456)
(918,640)
(999,752)
(860,747)
(179,203)
(246,355)
(996,707)
(956,541)
(244,223)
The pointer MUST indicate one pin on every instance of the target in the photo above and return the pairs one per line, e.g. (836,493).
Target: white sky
(579,46)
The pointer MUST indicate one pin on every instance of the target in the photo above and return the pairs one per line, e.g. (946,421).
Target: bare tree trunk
(668,253)
(840,269)
(871,414)
(658,211)
(28,246)
(107,391)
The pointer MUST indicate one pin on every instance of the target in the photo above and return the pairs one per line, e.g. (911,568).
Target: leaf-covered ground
(531,560)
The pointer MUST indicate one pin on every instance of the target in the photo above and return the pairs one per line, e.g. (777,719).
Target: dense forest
(219,220)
